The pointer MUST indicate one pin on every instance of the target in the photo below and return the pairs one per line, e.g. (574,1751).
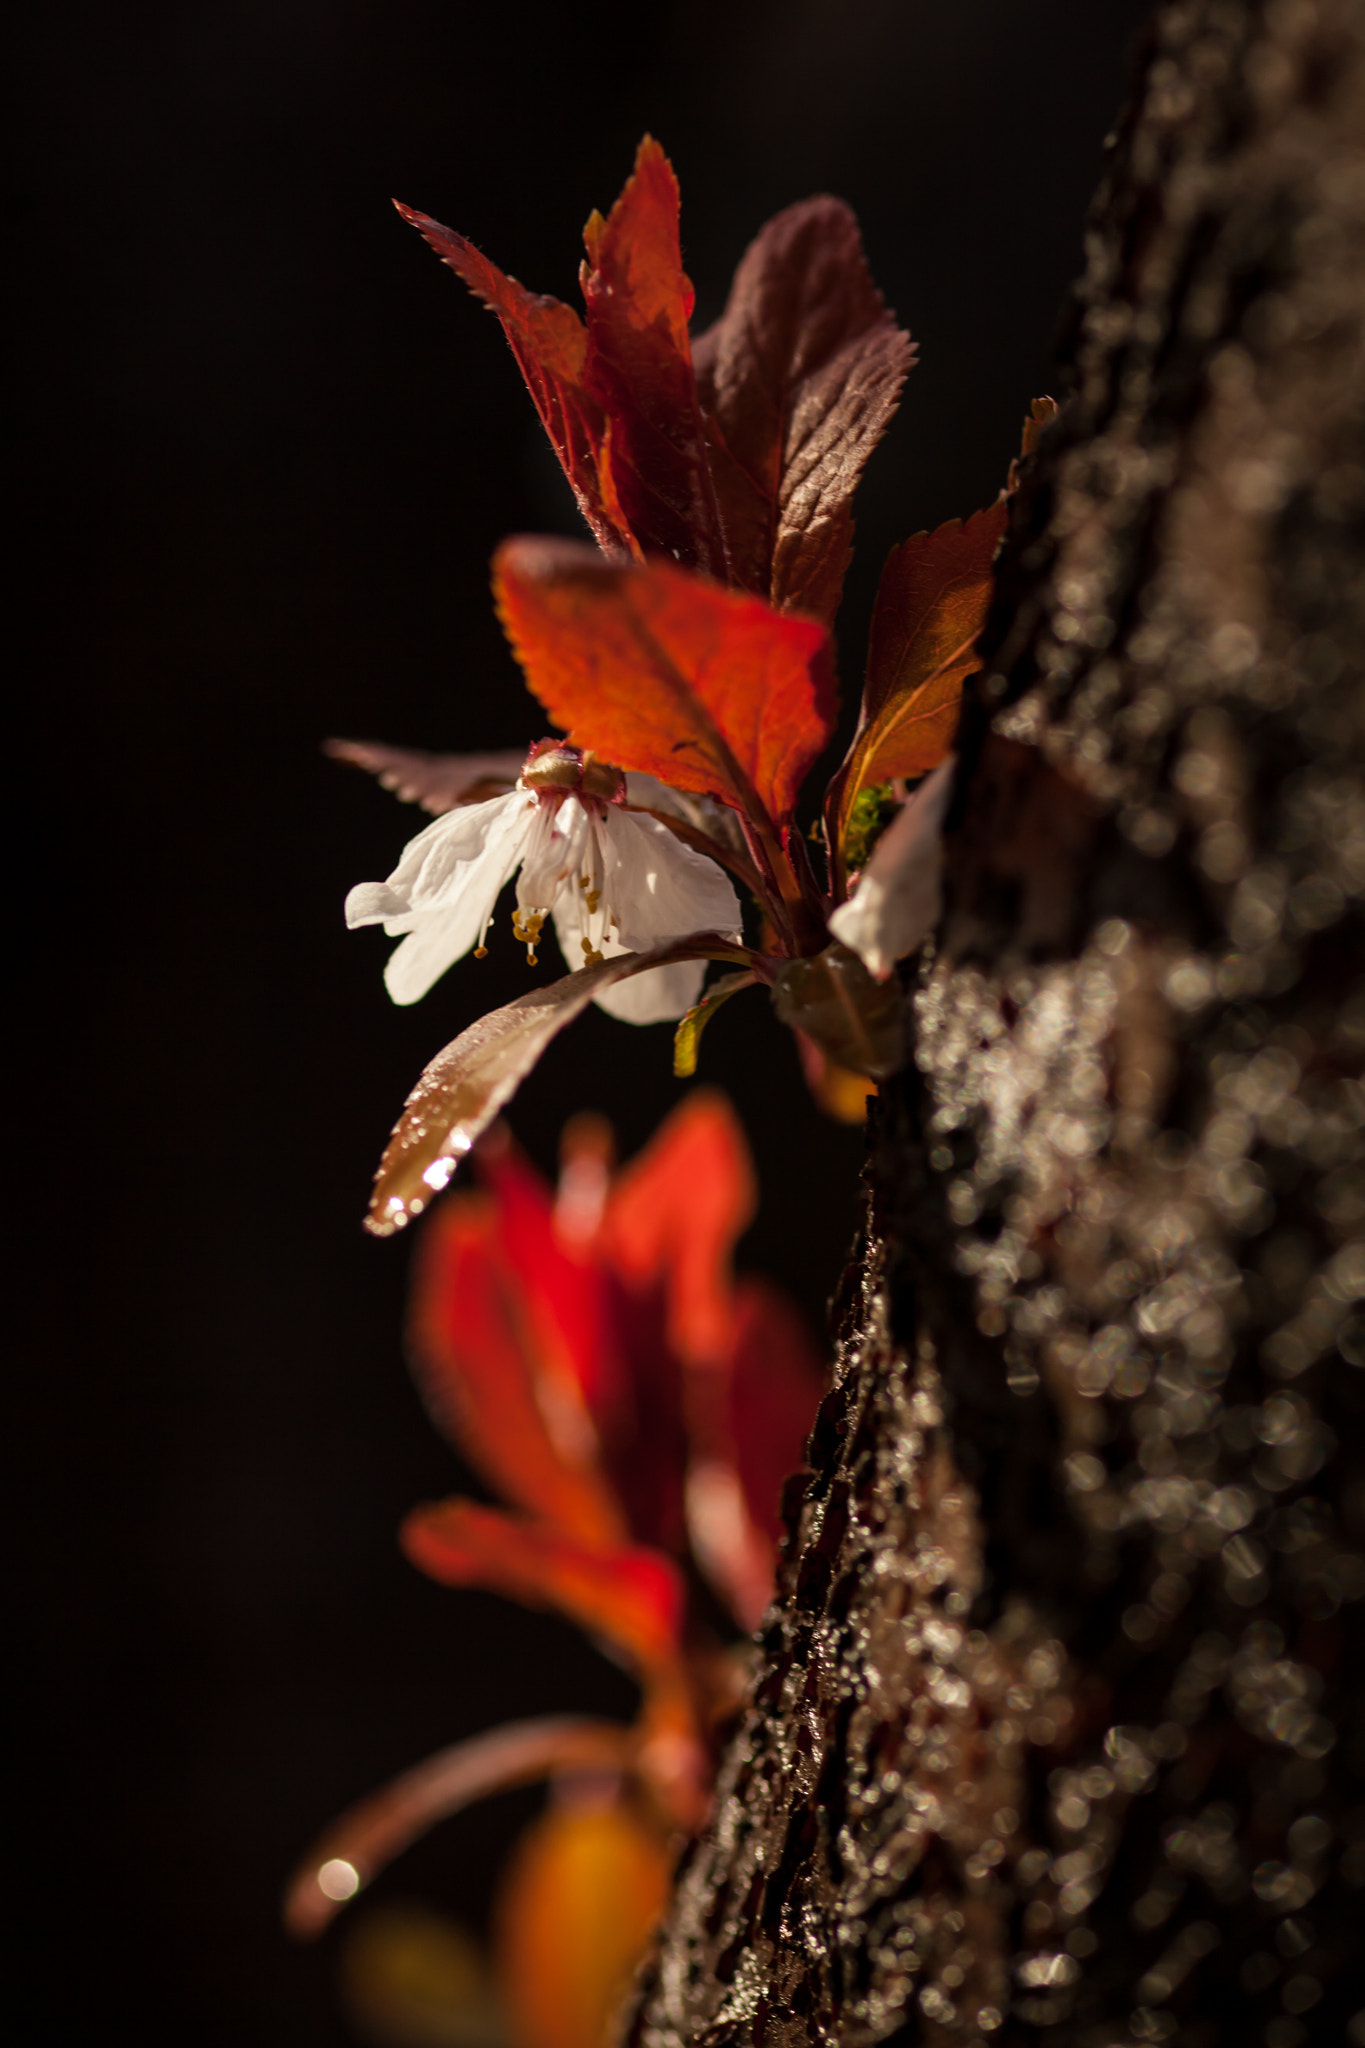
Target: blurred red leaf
(575,1909)
(668,673)
(802,374)
(461,1091)
(562,1296)
(931,605)
(674,1214)
(477,1358)
(632,1597)
(639,370)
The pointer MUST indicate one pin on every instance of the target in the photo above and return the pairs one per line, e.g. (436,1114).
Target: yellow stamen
(481,952)
(591,956)
(526,925)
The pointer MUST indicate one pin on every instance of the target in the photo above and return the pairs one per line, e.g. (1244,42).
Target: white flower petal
(717,820)
(553,856)
(659,889)
(659,997)
(443,890)
(900,892)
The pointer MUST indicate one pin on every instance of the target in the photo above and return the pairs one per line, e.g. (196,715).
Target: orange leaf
(476,1361)
(575,1910)
(674,1214)
(550,344)
(931,605)
(632,1597)
(802,374)
(639,369)
(461,1091)
(667,673)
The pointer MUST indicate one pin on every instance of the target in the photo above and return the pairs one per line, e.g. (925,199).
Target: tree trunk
(1052,1724)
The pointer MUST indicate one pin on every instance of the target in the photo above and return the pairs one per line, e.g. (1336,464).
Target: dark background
(265,448)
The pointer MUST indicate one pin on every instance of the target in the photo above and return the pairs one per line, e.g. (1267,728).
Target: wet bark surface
(1057,1728)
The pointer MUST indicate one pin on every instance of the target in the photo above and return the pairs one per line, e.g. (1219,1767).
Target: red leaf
(477,1358)
(632,1597)
(377,1829)
(563,1297)
(550,344)
(673,1217)
(639,370)
(932,603)
(802,373)
(668,673)
(464,1087)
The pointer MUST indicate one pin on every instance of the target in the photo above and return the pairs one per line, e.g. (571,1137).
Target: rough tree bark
(1052,1728)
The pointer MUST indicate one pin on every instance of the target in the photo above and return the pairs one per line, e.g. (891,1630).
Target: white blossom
(611,880)
(899,894)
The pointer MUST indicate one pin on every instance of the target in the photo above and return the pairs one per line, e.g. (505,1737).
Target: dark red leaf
(802,374)
(438,782)
(464,1087)
(639,370)
(858,1021)
(550,344)
(666,672)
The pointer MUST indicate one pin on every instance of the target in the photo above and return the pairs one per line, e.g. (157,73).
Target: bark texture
(1052,1733)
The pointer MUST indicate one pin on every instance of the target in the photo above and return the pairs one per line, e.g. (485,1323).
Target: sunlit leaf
(687,1037)
(674,1214)
(802,373)
(358,1845)
(639,370)
(932,603)
(477,1354)
(465,1086)
(438,782)
(633,1597)
(666,672)
(574,1911)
